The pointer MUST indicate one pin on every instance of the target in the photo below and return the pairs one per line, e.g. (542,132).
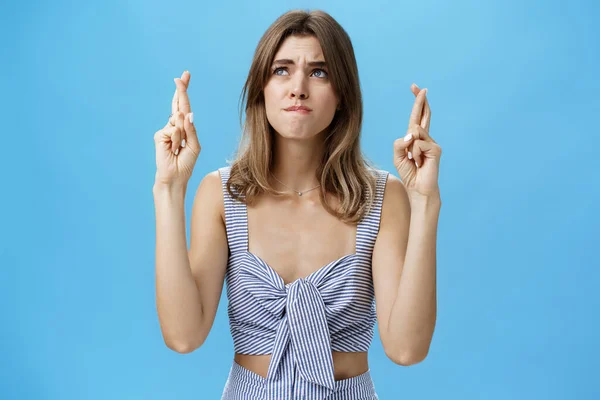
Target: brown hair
(344,171)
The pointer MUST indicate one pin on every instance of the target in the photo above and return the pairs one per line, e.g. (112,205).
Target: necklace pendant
(299,193)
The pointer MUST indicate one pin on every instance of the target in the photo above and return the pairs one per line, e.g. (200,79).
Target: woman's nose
(299,94)
(299,88)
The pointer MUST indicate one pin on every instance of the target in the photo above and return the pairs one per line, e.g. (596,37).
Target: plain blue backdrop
(513,89)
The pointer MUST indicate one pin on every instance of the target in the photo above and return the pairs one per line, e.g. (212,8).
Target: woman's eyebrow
(310,63)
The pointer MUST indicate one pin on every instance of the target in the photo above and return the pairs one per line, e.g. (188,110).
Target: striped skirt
(243,384)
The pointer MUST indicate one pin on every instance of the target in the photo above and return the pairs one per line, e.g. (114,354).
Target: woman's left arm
(404,256)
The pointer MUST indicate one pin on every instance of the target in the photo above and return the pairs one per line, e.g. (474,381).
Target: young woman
(304,231)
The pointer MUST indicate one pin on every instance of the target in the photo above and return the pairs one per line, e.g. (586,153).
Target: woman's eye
(322,71)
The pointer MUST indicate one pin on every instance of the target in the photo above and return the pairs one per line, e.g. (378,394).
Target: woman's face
(295,81)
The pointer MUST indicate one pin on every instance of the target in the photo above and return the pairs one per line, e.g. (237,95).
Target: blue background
(513,88)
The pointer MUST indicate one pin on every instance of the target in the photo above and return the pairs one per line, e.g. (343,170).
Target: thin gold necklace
(295,191)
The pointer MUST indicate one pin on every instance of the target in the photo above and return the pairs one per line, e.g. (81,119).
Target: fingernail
(409,155)
(191,118)
(183,143)
(407,137)
(416,164)
(425,90)
(176,151)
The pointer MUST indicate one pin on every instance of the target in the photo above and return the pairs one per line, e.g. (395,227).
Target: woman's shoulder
(381,175)
(225,170)
(390,188)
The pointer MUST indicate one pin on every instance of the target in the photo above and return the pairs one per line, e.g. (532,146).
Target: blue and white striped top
(302,322)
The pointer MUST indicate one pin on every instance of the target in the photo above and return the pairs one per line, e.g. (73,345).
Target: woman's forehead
(300,48)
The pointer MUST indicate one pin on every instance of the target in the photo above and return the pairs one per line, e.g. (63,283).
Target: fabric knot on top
(303,331)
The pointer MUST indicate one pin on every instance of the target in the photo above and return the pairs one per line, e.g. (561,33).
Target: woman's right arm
(189,285)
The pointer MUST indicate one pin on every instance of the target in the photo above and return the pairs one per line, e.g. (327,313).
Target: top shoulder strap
(236,217)
(368,228)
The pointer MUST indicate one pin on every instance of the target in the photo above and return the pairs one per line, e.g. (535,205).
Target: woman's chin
(297,135)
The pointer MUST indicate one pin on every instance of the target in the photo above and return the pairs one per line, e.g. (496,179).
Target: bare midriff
(345,365)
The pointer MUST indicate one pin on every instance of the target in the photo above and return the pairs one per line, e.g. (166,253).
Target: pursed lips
(299,109)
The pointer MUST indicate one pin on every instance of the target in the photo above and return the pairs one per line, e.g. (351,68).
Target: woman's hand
(417,155)
(177,146)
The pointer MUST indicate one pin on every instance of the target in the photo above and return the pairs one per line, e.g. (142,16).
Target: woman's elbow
(405,358)
(184,346)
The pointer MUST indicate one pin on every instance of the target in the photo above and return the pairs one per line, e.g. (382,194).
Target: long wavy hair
(344,171)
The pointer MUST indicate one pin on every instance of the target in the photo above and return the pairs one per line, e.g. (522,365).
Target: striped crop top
(302,322)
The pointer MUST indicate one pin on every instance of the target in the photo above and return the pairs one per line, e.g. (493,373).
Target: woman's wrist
(161,188)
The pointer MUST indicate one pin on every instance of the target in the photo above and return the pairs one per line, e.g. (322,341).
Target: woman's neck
(296,162)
